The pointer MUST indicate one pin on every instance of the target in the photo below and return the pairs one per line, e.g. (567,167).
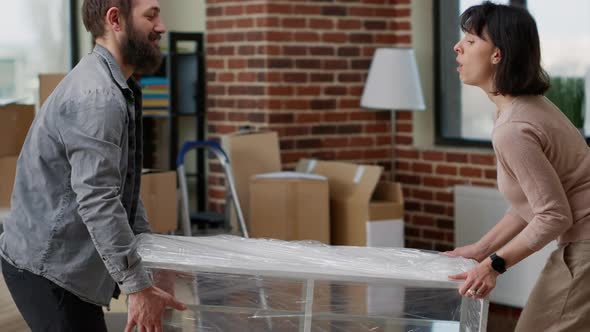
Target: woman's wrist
(483,250)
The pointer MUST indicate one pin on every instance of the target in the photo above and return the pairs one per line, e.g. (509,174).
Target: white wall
(184,15)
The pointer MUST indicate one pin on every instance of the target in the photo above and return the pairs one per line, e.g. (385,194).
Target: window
(34,39)
(7,79)
(564,29)
(464,115)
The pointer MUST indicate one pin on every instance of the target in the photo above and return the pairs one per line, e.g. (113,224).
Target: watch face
(498,263)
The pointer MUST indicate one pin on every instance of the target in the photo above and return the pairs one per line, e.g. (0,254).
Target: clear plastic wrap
(236,284)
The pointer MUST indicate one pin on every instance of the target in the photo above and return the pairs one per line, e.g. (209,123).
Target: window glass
(34,39)
(564,31)
(465,114)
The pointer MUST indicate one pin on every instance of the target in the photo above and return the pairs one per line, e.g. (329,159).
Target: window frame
(74,34)
(439,76)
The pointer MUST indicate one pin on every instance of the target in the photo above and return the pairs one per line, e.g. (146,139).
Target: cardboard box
(250,153)
(48,83)
(7,175)
(385,227)
(14,126)
(289,206)
(160,199)
(361,211)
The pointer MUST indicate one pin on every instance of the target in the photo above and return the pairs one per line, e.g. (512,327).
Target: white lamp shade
(393,82)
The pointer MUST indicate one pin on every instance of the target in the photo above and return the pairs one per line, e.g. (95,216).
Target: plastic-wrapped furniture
(236,284)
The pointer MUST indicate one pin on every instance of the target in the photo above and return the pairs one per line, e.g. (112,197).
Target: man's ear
(114,19)
(496,56)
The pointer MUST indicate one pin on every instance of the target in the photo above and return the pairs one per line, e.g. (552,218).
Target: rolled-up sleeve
(518,147)
(92,132)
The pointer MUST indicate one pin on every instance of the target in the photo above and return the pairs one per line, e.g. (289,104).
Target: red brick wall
(428,177)
(298,67)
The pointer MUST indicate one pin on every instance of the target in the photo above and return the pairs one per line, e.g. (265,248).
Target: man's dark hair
(94,12)
(513,30)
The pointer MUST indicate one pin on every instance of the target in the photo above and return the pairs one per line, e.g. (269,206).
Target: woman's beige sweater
(543,171)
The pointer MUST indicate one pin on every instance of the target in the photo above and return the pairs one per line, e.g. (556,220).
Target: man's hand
(146,308)
(165,280)
(472,251)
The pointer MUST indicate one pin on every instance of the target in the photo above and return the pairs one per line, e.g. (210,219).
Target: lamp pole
(393,83)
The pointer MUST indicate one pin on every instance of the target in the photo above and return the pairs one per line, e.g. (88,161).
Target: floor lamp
(393,84)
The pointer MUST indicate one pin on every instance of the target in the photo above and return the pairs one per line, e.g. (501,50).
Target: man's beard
(140,52)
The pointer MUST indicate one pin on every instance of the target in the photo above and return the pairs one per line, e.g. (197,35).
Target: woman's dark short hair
(94,12)
(514,31)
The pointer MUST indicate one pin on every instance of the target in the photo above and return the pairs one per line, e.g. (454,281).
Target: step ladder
(231,196)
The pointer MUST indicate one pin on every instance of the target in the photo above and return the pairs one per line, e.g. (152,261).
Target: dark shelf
(186,77)
(159,116)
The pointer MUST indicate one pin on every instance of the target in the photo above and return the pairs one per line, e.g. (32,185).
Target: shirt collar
(114,67)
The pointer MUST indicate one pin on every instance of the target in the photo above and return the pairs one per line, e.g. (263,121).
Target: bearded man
(69,242)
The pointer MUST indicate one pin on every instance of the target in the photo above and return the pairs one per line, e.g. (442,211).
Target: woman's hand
(473,251)
(479,281)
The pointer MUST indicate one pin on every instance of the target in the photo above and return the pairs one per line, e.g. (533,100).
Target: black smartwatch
(498,263)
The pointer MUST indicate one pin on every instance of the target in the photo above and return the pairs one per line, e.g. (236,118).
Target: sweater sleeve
(514,216)
(519,151)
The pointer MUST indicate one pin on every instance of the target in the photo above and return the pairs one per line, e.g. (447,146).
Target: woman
(543,166)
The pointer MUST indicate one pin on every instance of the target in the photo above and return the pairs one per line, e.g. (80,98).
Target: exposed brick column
(298,68)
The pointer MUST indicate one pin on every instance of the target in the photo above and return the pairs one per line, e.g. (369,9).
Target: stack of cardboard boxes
(341,204)
(14,126)
(279,205)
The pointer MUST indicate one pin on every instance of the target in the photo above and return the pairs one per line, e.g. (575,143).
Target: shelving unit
(185,71)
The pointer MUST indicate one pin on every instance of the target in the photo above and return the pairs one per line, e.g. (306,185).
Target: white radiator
(477,210)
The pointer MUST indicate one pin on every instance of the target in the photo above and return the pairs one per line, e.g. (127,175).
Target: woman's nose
(457,48)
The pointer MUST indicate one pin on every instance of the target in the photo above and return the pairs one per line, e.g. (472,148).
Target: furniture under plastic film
(235,284)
